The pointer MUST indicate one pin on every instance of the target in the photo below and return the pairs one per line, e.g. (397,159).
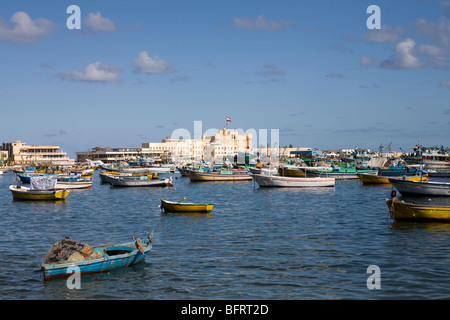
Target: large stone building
(21,153)
(225,143)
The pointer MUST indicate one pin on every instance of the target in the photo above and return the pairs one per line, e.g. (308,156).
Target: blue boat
(97,259)
(402,171)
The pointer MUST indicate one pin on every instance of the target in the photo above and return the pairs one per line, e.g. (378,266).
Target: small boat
(426,188)
(223,175)
(104,175)
(377,179)
(121,181)
(340,172)
(294,182)
(68,256)
(25,193)
(404,211)
(171,206)
(73,182)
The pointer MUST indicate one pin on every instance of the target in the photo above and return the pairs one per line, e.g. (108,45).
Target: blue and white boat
(96,259)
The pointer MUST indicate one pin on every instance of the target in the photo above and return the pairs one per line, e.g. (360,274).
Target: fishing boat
(223,175)
(73,182)
(431,157)
(104,175)
(377,179)
(294,182)
(171,206)
(425,188)
(404,211)
(25,193)
(121,181)
(340,172)
(68,256)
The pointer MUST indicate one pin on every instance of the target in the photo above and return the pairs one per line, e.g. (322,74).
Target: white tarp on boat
(42,183)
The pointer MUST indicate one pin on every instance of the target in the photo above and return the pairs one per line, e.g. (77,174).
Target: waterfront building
(20,153)
(224,144)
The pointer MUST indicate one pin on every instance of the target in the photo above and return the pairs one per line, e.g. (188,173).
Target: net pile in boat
(62,250)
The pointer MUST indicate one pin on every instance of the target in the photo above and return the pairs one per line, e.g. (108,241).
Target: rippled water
(268,244)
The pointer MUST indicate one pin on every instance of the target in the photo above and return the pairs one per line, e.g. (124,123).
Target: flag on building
(228,119)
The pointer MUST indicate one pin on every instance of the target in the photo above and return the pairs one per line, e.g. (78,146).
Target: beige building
(226,143)
(21,153)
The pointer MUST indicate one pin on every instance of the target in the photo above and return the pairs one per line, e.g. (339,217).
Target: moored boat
(340,173)
(219,176)
(121,181)
(425,188)
(25,193)
(404,211)
(294,182)
(377,179)
(172,206)
(73,182)
(68,256)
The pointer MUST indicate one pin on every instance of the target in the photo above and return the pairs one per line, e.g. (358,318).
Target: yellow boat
(375,179)
(403,211)
(24,193)
(170,206)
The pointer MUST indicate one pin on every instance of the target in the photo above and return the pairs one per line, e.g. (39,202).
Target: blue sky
(138,70)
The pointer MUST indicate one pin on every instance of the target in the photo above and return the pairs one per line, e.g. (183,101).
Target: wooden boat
(96,259)
(426,188)
(24,193)
(104,175)
(121,181)
(339,172)
(218,176)
(403,211)
(171,206)
(294,182)
(376,179)
(73,182)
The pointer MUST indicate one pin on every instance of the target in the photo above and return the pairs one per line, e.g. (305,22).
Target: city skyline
(136,72)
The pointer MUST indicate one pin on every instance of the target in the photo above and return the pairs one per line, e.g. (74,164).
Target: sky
(136,71)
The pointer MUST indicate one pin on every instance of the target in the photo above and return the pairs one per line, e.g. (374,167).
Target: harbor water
(257,244)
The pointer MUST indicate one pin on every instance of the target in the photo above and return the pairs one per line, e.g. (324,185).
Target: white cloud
(96,22)
(367,62)
(95,72)
(146,64)
(23,29)
(403,56)
(260,23)
(385,34)
(438,32)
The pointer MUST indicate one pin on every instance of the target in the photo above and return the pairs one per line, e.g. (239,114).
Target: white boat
(426,188)
(294,182)
(129,182)
(73,182)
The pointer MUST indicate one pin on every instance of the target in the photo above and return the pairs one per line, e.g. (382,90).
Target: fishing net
(62,250)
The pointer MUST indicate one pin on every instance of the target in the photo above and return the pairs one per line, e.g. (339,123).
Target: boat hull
(206,176)
(22,193)
(426,188)
(130,256)
(402,211)
(170,206)
(376,179)
(126,182)
(293,182)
